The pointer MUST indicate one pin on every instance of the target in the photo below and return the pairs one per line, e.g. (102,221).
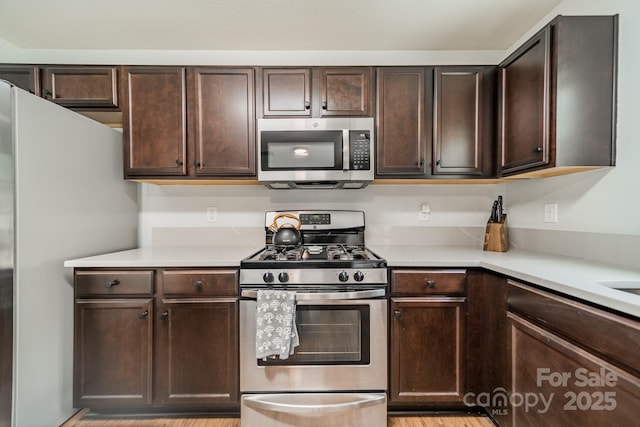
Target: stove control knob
(267,277)
(358,276)
(283,277)
(343,276)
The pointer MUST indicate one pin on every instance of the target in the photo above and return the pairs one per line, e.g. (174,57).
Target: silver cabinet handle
(308,296)
(274,403)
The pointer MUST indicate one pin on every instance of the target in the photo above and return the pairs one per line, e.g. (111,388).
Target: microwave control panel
(360,149)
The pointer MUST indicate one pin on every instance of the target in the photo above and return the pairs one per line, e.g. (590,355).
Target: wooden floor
(437,420)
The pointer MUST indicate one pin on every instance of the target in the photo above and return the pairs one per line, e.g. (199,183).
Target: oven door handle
(273,403)
(313,296)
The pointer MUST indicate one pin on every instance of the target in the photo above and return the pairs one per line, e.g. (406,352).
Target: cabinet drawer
(104,283)
(200,282)
(428,282)
(613,337)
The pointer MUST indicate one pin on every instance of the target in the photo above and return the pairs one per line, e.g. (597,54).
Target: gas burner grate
(281,253)
(347,253)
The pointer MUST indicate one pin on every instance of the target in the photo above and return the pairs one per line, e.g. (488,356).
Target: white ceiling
(269,24)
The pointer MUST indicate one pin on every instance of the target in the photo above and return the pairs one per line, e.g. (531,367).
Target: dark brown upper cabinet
(557,98)
(345,91)
(26,77)
(83,86)
(316,92)
(401,118)
(463,122)
(189,122)
(154,114)
(286,92)
(222,111)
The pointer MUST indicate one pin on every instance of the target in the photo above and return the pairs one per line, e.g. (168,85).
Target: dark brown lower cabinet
(197,352)
(571,363)
(156,339)
(113,352)
(557,383)
(428,340)
(487,355)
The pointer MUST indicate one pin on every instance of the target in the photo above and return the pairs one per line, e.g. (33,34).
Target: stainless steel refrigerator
(62,196)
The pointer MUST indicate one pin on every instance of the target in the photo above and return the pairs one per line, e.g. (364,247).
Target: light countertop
(572,276)
(170,256)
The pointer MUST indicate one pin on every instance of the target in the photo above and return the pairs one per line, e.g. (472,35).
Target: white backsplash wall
(602,201)
(177,215)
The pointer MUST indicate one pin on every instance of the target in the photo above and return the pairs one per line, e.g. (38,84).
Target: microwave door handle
(315,296)
(346,154)
(272,403)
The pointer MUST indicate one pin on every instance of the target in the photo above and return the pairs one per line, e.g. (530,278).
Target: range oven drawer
(314,410)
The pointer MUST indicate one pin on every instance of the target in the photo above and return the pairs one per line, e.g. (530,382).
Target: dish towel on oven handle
(276,332)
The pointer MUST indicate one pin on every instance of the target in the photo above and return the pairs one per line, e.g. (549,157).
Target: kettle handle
(274,225)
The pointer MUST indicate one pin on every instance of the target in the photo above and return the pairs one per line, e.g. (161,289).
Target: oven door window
(330,335)
(298,150)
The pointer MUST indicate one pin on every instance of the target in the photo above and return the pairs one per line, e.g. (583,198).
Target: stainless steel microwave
(316,153)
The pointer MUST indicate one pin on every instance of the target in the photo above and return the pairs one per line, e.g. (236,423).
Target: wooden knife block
(496,236)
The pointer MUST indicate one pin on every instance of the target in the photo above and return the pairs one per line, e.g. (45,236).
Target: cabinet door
(112,353)
(402,129)
(487,360)
(222,103)
(525,105)
(286,92)
(198,352)
(81,87)
(154,121)
(462,121)
(26,77)
(556,383)
(345,91)
(428,340)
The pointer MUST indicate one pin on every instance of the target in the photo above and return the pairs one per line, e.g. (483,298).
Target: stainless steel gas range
(336,375)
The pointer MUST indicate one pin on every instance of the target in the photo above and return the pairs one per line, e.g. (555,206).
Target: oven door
(343,344)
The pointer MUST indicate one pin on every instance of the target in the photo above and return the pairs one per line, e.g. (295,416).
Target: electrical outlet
(424,212)
(212,214)
(551,212)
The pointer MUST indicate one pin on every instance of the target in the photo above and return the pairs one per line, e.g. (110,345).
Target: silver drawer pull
(307,296)
(270,402)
